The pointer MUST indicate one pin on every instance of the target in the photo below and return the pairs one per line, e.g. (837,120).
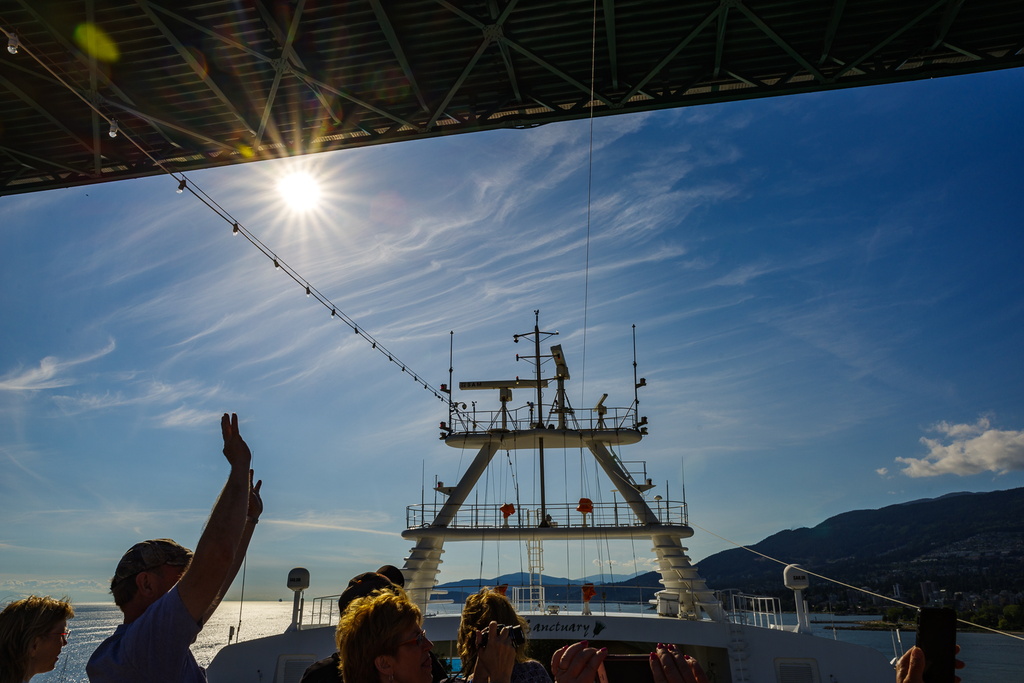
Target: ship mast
(539,424)
(597,430)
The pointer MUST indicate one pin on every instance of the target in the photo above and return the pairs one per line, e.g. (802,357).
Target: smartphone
(936,635)
(626,669)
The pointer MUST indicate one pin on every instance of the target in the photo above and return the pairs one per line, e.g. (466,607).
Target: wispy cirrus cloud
(19,457)
(147,392)
(52,372)
(343,520)
(965,449)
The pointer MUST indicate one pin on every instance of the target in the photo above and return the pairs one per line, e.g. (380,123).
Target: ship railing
(527,598)
(324,611)
(490,516)
(561,599)
(752,610)
(564,599)
(473,421)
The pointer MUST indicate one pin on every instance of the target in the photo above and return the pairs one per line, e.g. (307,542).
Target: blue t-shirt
(151,649)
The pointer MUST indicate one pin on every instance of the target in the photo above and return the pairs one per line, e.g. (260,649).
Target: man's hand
(235,449)
(671,666)
(255,502)
(910,668)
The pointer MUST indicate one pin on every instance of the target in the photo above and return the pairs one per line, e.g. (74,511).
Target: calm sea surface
(990,658)
(93,623)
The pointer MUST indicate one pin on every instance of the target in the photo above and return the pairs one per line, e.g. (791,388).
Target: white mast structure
(685,594)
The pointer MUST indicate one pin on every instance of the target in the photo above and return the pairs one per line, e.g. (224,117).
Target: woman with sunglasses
(380,639)
(33,631)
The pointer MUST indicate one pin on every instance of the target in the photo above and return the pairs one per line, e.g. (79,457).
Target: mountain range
(959,543)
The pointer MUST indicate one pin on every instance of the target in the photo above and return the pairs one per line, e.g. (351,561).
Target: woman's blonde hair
(21,622)
(481,609)
(371,627)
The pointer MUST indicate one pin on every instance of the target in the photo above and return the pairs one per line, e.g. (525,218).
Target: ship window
(796,671)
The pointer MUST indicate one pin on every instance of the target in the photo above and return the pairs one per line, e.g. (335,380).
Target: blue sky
(827,291)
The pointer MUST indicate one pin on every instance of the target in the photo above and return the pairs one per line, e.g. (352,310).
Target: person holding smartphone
(910,668)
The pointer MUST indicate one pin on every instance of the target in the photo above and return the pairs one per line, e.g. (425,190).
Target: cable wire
(847,585)
(185,183)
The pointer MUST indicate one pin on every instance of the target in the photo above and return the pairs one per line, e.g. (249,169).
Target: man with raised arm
(167,593)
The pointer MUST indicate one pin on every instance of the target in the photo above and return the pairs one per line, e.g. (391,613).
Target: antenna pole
(682,474)
(540,419)
(536,355)
(636,386)
(539,422)
(451,369)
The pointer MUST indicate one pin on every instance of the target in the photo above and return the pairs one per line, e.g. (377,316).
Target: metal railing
(472,420)
(749,610)
(616,514)
(324,611)
(558,599)
(752,610)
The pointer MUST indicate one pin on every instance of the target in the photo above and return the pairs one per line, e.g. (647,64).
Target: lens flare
(94,41)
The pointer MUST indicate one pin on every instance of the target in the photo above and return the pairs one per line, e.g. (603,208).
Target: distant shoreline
(889,626)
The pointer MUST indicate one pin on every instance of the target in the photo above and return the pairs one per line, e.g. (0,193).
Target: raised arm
(213,563)
(252,516)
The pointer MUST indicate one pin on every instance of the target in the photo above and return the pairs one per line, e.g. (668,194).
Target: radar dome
(795,578)
(298,579)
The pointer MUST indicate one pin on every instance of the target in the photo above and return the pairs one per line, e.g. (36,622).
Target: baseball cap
(361,586)
(148,555)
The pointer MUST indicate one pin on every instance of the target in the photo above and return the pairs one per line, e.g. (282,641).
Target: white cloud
(188,417)
(972,449)
(882,471)
(50,374)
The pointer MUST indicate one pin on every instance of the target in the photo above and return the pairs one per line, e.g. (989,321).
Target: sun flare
(300,190)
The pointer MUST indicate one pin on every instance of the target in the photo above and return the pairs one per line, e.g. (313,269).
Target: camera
(515,636)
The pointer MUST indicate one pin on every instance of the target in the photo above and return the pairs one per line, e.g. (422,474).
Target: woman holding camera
(492,606)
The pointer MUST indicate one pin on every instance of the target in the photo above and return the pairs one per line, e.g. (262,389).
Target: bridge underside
(204,83)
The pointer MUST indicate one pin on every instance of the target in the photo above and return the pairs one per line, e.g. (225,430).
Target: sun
(300,191)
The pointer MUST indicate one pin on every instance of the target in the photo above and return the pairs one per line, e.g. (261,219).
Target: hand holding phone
(936,636)
(633,668)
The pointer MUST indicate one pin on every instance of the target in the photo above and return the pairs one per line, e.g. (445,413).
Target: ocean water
(94,622)
(990,658)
